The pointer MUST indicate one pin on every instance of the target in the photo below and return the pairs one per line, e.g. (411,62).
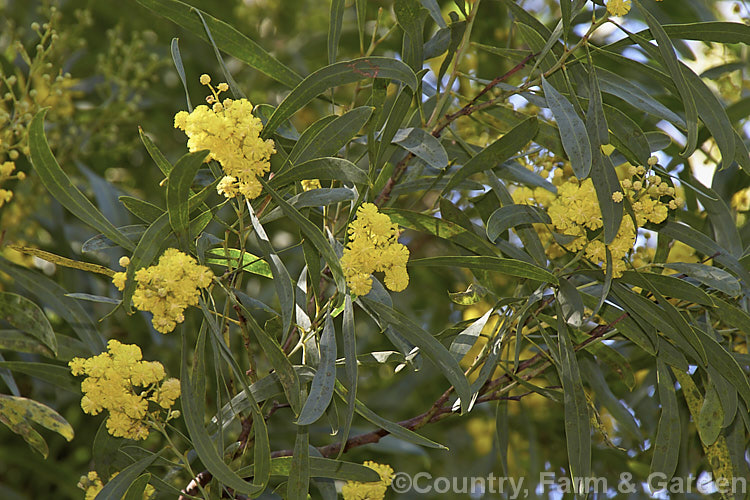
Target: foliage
(457,237)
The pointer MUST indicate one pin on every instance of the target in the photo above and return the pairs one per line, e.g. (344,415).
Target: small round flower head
(310,184)
(231,133)
(124,261)
(617,196)
(653,160)
(373,246)
(618,7)
(354,490)
(169,287)
(113,383)
(205,79)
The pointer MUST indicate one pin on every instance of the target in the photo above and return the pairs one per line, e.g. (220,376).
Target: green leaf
(393,428)
(116,488)
(180,67)
(349,341)
(429,346)
(497,152)
(335,75)
(727,396)
(229,257)
(193,410)
(155,153)
(572,130)
(667,443)
(334,29)
(604,178)
(711,417)
(422,145)
(710,31)
(279,361)
(630,92)
(321,467)
(704,245)
(673,66)
(643,337)
(393,123)
(725,364)
(312,232)
(147,212)
(299,471)
(509,216)
(713,114)
(465,340)
(678,324)
(136,489)
(571,303)
(266,388)
(331,137)
(25,315)
(101,242)
(595,379)
(227,39)
(627,136)
(671,287)
(710,276)
(434,9)
(14,340)
(411,16)
(56,375)
(361,6)
(53,296)
(323,169)
(62,188)
(596,122)
(19,413)
(321,390)
(510,267)
(281,278)
(178,190)
(577,426)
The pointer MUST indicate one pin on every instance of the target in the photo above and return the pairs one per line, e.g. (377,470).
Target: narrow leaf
(25,315)
(322,386)
(62,188)
(572,130)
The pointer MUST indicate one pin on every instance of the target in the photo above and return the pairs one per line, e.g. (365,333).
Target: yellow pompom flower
(310,184)
(168,288)
(92,484)
(231,133)
(618,7)
(373,246)
(113,383)
(354,490)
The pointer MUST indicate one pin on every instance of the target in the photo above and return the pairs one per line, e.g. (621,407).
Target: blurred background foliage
(104,69)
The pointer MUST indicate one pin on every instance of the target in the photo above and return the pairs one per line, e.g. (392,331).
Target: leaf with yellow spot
(19,413)
(718,452)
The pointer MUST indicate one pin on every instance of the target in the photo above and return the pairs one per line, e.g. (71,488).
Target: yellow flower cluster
(92,484)
(231,133)
(354,490)
(110,384)
(167,288)
(6,173)
(618,7)
(575,212)
(373,246)
(310,184)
